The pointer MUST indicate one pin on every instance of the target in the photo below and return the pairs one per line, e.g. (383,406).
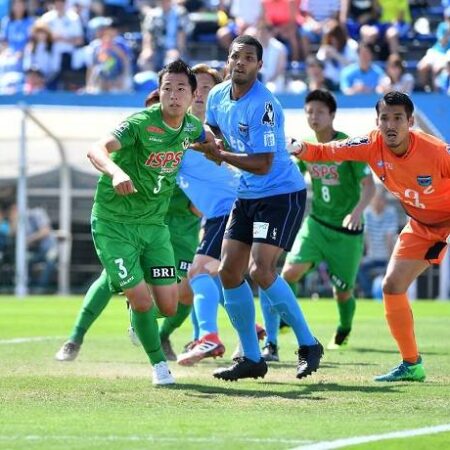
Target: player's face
(243,64)
(394,126)
(175,94)
(318,116)
(205,83)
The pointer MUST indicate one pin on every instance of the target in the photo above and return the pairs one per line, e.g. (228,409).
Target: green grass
(105,400)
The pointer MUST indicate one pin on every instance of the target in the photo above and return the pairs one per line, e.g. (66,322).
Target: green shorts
(184,236)
(341,251)
(131,253)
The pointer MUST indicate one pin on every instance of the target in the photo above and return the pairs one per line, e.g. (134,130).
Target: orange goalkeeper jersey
(420,178)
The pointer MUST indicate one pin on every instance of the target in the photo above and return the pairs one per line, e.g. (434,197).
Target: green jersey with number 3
(336,186)
(150,155)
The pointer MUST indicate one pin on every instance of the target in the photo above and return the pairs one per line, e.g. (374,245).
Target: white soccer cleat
(133,337)
(162,374)
(68,352)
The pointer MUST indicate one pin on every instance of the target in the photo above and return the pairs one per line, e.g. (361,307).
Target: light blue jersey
(211,188)
(255,124)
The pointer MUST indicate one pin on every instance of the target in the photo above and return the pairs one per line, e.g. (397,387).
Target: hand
(293,146)
(352,222)
(122,183)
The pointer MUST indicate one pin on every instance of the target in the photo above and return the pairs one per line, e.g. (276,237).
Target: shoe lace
(401,369)
(70,347)
(161,369)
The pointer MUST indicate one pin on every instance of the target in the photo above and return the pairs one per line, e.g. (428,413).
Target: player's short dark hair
(246,39)
(397,98)
(324,96)
(179,66)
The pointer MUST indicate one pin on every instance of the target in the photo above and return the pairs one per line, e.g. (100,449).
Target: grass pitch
(105,400)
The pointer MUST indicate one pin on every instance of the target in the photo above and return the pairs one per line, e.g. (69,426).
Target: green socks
(95,301)
(346,313)
(172,323)
(146,327)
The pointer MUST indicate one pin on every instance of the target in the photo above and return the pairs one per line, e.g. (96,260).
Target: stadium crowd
(347,46)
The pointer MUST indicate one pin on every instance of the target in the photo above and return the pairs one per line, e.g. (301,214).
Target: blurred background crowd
(347,46)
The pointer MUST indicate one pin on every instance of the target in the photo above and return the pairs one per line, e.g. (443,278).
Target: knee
(262,276)
(139,303)
(290,274)
(389,285)
(168,309)
(228,277)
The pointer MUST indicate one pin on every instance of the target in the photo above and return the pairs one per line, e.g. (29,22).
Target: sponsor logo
(155,139)
(153,129)
(269,139)
(323,171)
(128,280)
(273,235)
(260,230)
(163,272)
(243,129)
(353,142)
(268,117)
(184,265)
(424,180)
(121,128)
(163,159)
(341,284)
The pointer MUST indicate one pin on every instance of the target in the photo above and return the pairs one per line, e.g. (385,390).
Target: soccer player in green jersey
(333,231)
(139,162)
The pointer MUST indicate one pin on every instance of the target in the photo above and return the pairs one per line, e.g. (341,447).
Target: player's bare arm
(99,157)
(259,163)
(353,221)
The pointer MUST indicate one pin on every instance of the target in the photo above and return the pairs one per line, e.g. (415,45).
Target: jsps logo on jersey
(424,180)
(243,129)
(269,116)
(353,142)
(164,159)
(163,272)
(328,171)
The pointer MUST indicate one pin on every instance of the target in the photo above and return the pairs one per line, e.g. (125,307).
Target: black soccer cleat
(242,368)
(308,359)
(270,352)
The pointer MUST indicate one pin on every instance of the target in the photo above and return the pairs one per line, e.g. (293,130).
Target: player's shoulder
(428,140)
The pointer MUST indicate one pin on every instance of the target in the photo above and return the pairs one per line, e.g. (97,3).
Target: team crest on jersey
(268,117)
(353,142)
(243,129)
(186,143)
(189,127)
(424,180)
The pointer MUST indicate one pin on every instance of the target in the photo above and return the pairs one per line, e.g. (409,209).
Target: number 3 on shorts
(123,273)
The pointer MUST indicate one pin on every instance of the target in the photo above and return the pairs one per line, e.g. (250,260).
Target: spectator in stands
(39,52)
(356,13)
(396,78)
(364,76)
(284,16)
(393,24)
(380,232)
(67,32)
(337,50)
(442,81)
(41,246)
(315,76)
(275,57)
(316,14)
(163,35)
(109,68)
(434,59)
(14,33)
(243,15)
(34,82)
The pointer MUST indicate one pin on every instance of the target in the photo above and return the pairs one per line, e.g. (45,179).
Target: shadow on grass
(384,351)
(295,391)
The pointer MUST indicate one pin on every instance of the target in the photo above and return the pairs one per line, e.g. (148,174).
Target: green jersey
(179,204)
(336,187)
(150,155)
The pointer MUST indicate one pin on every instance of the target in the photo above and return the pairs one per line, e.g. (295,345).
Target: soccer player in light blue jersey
(267,213)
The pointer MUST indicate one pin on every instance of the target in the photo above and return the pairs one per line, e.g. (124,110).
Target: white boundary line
(149,438)
(24,340)
(339,443)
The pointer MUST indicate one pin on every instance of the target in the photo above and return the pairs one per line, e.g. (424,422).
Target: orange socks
(401,323)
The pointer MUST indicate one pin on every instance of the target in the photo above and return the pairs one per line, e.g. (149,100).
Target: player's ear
(411,121)
(260,63)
